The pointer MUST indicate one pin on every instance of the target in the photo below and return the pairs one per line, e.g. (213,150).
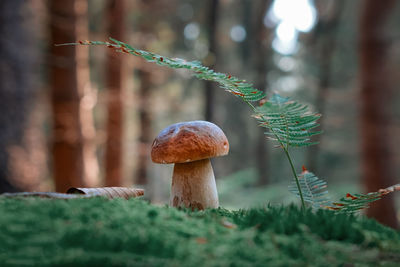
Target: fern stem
(251,105)
(296,178)
(286,149)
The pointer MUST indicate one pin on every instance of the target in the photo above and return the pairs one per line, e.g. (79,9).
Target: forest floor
(102,232)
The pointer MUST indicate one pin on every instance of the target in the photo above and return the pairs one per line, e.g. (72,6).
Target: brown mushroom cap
(189,141)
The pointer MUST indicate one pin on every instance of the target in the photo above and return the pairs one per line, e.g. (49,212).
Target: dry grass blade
(109,192)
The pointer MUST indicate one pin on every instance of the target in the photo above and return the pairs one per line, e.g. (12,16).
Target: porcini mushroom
(190,145)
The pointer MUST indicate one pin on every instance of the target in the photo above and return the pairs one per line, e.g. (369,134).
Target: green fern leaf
(238,87)
(353,203)
(289,122)
(314,189)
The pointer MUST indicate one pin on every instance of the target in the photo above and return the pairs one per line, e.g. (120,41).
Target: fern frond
(237,87)
(353,203)
(314,189)
(289,122)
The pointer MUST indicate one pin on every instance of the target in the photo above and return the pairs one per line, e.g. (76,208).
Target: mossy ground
(101,232)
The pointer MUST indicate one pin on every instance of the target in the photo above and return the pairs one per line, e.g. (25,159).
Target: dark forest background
(79,116)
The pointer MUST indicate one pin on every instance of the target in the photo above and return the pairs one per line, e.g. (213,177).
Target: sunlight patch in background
(238,33)
(191,31)
(285,63)
(290,17)
(285,41)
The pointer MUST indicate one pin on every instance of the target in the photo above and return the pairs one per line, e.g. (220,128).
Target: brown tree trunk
(212,30)
(69,80)
(151,11)
(260,56)
(113,156)
(28,159)
(375,109)
(145,127)
(18,66)
(326,31)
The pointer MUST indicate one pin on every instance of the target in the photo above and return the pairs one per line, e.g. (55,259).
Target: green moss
(98,232)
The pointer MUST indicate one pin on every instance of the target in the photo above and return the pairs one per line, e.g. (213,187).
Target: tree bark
(212,36)
(375,109)
(69,80)
(145,127)
(114,153)
(260,56)
(151,11)
(326,30)
(18,64)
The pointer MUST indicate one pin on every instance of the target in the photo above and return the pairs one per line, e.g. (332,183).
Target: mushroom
(190,145)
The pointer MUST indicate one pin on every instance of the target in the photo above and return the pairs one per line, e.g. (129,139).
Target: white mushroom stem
(193,185)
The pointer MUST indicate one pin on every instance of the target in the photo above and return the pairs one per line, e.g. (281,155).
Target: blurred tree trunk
(375,110)
(248,22)
(145,126)
(326,31)
(74,163)
(212,57)
(114,80)
(18,63)
(28,159)
(149,25)
(146,29)
(261,54)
